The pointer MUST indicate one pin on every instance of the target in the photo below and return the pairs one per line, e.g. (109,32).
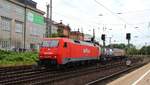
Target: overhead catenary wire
(135,11)
(94,22)
(115,14)
(112,12)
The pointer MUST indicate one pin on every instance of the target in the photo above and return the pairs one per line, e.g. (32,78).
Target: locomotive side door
(66,53)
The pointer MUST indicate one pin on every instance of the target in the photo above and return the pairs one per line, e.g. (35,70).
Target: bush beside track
(10,58)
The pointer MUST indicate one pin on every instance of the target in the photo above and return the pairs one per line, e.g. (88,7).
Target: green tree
(145,50)
(132,51)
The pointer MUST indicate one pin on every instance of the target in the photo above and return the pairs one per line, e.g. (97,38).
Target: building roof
(76,32)
(27,6)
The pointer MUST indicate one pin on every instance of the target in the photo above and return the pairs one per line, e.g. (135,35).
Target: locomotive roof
(71,40)
(58,38)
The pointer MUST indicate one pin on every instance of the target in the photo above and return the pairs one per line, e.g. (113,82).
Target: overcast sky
(117,16)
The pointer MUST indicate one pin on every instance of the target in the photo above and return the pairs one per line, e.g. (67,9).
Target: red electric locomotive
(63,50)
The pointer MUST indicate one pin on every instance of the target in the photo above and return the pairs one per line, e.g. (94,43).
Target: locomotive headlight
(55,56)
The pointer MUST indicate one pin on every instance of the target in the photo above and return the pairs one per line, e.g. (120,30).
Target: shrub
(17,58)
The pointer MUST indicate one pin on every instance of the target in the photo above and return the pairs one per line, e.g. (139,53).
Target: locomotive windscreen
(50,43)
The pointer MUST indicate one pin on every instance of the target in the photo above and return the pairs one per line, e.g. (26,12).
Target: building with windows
(21,24)
(76,35)
(54,28)
(63,30)
(58,29)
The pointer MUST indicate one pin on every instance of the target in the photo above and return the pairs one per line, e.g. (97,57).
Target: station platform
(140,76)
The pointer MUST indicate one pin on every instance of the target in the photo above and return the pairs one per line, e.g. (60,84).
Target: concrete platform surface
(140,76)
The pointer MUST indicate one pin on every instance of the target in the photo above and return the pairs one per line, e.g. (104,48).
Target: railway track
(75,73)
(32,76)
(86,77)
(102,79)
(15,68)
(15,76)
(41,76)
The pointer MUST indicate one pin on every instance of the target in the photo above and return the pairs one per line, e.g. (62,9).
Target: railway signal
(103,38)
(128,37)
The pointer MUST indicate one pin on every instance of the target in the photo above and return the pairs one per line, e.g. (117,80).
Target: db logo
(85,50)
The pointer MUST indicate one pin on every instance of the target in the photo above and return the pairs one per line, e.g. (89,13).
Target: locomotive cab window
(50,43)
(65,45)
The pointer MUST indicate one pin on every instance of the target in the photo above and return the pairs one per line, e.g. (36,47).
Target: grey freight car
(118,52)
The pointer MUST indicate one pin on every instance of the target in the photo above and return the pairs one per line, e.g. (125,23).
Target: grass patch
(9,58)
